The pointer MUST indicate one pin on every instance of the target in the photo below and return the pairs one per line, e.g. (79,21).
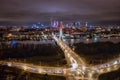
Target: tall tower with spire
(61,31)
(51,21)
(86,24)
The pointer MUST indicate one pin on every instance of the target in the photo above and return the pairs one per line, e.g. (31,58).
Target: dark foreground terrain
(96,53)
(114,75)
(40,54)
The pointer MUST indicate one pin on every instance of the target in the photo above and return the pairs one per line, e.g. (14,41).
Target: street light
(39,70)
(24,67)
(9,64)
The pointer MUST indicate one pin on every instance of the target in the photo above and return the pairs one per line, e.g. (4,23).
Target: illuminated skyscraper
(60,31)
(55,24)
(86,24)
(51,23)
(77,24)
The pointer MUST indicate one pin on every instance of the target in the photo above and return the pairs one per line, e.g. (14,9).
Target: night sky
(92,11)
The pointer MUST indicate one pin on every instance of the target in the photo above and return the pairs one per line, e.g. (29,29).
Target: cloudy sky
(26,11)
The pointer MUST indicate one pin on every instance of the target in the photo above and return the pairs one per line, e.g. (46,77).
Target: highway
(77,68)
(35,68)
(81,70)
(108,66)
(70,55)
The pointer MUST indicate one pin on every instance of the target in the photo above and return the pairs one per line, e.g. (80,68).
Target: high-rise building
(55,23)
(77,24)
(86,24)
(60,31)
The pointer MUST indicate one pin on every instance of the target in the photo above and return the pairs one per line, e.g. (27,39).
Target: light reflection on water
(72,41)
(68,41)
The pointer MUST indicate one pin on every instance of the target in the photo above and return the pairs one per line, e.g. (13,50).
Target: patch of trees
(98,48)
(115,75)
(24,51)
(100,52)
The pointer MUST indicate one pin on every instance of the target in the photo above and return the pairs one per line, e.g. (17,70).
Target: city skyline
(28,11)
